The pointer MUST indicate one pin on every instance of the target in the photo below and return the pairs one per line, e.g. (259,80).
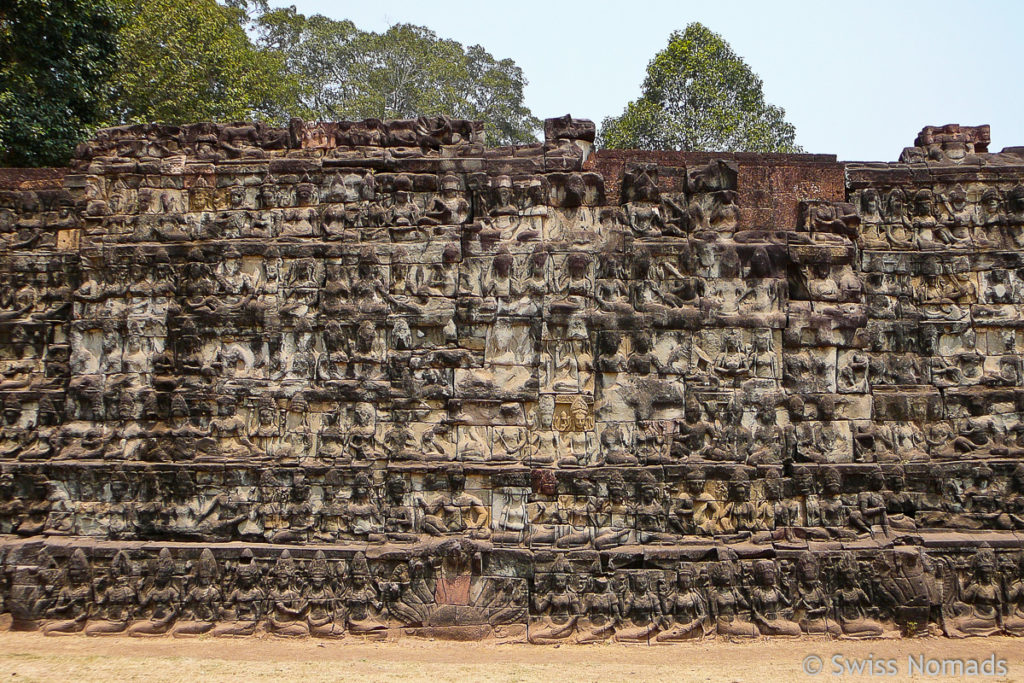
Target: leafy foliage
(192,60)
(67,66)
(699,95)
(403,72)
(55,60)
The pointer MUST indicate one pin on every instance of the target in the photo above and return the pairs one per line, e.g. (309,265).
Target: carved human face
(268,197)
(126,408)
(110,343)
(353,188)
(246,577)
(402,332)
(118,491)
(537,263)
(365,336)
(870,202)
(545,412)
(396,488)
(649,494)
(895,205)
(923,206)
(77,575)
(503,265)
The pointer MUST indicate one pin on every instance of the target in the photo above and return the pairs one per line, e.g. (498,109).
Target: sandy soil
(32,657)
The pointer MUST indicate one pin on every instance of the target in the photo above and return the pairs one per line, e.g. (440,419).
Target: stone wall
(379,379)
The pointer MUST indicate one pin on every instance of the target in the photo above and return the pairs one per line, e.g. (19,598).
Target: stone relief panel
(374,378)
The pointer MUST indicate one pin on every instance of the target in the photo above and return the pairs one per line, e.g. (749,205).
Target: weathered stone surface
(375,379)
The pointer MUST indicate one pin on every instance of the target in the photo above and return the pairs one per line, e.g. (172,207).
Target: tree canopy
(403,72)
(56,58)
(699,95)
(192,60)
(69,66)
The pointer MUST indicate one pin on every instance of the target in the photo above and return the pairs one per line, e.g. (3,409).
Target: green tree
(406,71)
(699,95)
(55,60)
(192,60)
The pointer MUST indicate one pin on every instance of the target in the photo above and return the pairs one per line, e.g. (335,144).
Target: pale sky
(858,79)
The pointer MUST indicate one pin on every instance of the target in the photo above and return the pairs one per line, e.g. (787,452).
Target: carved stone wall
(377,379)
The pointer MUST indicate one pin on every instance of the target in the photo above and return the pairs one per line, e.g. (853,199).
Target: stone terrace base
(457,589)
(372,378)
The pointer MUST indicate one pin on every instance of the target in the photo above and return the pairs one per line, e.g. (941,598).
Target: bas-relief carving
(528,401)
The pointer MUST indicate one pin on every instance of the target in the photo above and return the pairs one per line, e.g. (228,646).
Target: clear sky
(857,78)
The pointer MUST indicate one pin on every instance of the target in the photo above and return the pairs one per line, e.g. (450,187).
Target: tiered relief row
(599,507)
(575,386)
(466,590)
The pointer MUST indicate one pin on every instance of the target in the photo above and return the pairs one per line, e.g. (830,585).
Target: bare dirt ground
(32,657)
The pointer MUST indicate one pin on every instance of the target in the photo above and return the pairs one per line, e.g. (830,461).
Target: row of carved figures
(906,592)
(925,220)
(520,284)
(564,435)
(588,511)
